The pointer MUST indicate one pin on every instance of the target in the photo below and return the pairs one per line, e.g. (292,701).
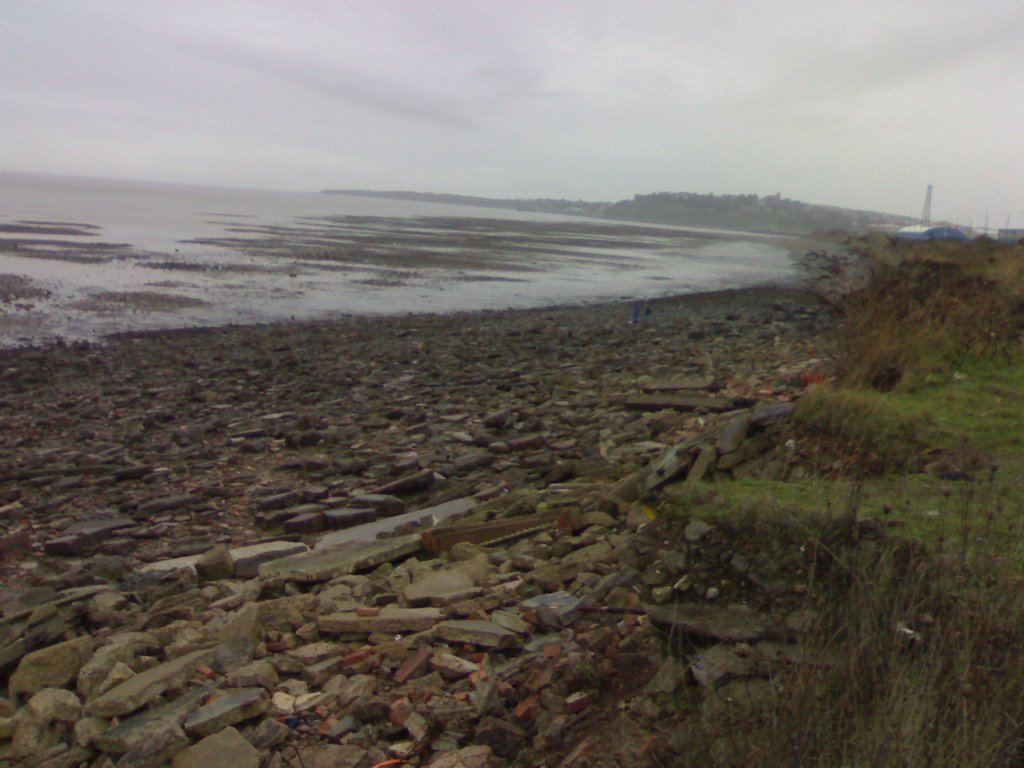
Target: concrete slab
(426,518)
(325,564)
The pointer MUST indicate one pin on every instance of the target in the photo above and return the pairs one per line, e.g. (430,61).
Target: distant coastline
(772,214)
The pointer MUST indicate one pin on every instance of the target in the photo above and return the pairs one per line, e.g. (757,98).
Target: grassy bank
(912,500)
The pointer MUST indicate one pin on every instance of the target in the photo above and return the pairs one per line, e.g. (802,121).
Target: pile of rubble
(517,652)
(438,551)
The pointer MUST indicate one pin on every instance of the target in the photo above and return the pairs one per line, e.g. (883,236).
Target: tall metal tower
(926,215)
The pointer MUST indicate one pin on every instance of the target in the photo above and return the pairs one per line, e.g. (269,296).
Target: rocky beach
(214,539)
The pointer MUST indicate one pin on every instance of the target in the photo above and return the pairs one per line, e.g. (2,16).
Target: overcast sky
(859,104)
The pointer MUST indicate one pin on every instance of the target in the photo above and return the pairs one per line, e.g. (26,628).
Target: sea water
(244,256)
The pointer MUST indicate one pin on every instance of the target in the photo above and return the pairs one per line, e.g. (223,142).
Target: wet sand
(64,282)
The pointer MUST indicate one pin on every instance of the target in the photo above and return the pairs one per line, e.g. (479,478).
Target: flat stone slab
(391,619)
(228,747)
(438,585)
(485,634)
(428,517)
(322,565)
(249,559)
(385,504)
(165,567)
(226,710)
(709,622)
(770,413)
(135,732)
(344,517)
(144,687)
(81,537)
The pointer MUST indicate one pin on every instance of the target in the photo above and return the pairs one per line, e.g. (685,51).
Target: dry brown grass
(916,663)
(920,318)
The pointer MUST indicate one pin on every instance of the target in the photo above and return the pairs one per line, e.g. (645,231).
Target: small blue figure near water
(636,312)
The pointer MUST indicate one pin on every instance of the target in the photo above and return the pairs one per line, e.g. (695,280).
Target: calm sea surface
(115,255)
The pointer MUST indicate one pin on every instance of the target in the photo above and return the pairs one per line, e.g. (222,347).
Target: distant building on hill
(930,232)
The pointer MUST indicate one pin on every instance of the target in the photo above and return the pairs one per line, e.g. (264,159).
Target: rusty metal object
(444,538)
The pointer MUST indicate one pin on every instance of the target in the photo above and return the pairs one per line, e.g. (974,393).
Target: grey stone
(268,734)
(504,738)
(51,704)
(425,518)
(703,465)
(307,522)
(671,464)
(146,686)
(347,518)
(348,689)
(555,609)
(80,538)
(53,667)
(343,727)
(165,504)
(385,504)
(227,747)
(391,619)
(452,667)
(249,559)
(415,482)
(133,733)
(474,756)
(225,710)
(215,564)
(485,634)
(121,648)
(718,665)
(160,746)
(766,414)
(334,756)
(726,624)
(670,676)
(259,673)
(436,585)
(734,433)
(321,565)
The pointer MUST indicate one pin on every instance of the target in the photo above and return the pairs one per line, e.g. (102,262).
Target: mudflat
(67,280)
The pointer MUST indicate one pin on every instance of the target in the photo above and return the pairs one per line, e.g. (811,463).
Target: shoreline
(15,289)
(215,271)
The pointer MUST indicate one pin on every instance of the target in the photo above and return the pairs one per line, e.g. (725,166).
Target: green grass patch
(873,427)
(953,468)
